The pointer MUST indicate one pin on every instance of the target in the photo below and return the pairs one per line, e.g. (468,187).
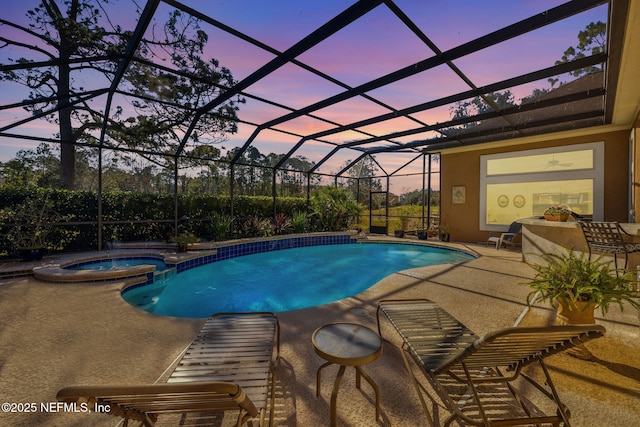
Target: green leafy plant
(184,239)
(572,277)
(221,226)
(557,210)
(404,219)
(299,222)
(422,233)
(265,228)
(334,208)
(33,223)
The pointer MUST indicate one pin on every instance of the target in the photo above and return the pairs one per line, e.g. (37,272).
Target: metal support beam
(340,21)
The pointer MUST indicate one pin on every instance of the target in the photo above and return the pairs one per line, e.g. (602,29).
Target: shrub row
(130,216)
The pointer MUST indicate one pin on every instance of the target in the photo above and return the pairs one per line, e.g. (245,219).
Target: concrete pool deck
(56,335)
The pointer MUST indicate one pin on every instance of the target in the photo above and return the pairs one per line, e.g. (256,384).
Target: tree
(591,41)
(362,175)
(482,104)
(31,168)
(77,37)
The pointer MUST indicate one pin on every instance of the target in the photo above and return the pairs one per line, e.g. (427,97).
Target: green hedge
(148,217)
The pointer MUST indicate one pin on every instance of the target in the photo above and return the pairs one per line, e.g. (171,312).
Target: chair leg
(416,385)
(562,409)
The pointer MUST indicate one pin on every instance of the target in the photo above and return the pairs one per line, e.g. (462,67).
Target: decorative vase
(558,217)
(576,313)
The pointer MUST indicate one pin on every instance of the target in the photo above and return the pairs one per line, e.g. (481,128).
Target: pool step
(161,276)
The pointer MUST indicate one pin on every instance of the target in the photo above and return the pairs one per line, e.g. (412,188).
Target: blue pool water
(284,280)
(111,263)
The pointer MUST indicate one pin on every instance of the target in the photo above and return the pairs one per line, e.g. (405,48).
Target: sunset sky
(373,46)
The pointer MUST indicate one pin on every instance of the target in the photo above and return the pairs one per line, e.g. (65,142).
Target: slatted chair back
(604,237)
(236,347)
(609,238)
(514,348)
(457,362)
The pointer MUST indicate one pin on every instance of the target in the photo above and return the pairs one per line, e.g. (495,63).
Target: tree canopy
(591,41)
(155,105)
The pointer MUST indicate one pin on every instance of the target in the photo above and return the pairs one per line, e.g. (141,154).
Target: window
(524,183)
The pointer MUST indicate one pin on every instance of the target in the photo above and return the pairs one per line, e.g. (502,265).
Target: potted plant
(578,286)
(184,239)
(433,230)
(422,233)
(404,222)
(557,213)
(444,233)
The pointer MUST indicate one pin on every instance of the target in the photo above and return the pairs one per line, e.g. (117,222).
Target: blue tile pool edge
(248,248)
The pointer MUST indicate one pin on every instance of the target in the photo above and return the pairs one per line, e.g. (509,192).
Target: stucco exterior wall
(463,168)
(636,173)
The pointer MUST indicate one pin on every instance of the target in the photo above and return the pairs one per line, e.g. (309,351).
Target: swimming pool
(283,280)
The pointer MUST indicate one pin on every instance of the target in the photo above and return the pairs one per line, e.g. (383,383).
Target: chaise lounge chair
(229,365)
(476,377)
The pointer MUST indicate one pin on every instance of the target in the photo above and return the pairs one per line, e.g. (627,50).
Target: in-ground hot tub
(106,268)
(118,263)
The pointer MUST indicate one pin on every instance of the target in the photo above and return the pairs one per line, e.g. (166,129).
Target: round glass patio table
(347,344)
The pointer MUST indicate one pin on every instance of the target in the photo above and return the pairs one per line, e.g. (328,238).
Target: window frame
(596,173)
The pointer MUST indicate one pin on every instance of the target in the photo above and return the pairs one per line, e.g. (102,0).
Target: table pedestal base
(336,385)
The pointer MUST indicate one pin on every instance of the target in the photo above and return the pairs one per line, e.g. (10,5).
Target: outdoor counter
(540,236)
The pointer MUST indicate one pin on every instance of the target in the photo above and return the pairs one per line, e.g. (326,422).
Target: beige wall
(463,168)
(636,172)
